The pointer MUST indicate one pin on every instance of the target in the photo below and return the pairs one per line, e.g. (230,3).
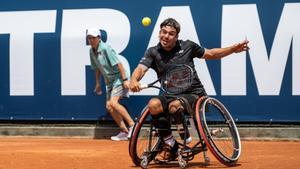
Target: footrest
(189,153)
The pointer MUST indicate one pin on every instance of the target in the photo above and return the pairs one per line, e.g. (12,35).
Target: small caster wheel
(144,162)
(181,161)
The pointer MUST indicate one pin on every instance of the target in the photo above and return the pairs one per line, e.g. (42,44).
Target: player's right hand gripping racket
(176,80)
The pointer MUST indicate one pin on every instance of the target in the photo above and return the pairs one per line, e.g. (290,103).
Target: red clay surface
(62,153)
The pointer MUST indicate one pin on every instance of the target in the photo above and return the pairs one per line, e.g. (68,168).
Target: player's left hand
(240,47)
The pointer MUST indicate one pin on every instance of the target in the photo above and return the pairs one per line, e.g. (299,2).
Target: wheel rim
(221,138)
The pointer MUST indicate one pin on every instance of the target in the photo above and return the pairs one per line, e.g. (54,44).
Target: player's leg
(178,107)
(158,108)
(176,110)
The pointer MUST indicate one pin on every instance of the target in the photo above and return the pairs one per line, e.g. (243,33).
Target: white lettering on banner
(268,71)
(236,25)
(292,12)
(21,26)
(183,15)
(75,52)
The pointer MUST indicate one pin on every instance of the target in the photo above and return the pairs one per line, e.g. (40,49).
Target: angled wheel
(218,130)
(144,144)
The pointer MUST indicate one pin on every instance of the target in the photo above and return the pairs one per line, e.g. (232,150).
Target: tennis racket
(176,80)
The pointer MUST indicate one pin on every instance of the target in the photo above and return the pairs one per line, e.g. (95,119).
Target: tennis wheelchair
(211,127)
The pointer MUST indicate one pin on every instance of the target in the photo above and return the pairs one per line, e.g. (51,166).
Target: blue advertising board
(45,71)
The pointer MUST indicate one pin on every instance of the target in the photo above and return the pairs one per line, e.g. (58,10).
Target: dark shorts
(188,100)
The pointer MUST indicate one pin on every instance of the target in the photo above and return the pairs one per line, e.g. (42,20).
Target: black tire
(218,130)
(142,135)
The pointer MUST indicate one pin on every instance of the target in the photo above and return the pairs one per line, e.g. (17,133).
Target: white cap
(93,32)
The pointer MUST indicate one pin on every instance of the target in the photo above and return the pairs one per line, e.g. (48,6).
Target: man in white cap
(104,61)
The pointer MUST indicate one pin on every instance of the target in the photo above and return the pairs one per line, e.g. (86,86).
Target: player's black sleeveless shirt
(183,53)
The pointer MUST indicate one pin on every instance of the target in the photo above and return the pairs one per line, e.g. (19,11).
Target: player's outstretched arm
(218,53)
(137,75)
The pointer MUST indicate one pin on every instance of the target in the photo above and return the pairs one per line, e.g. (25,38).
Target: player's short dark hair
(172,23)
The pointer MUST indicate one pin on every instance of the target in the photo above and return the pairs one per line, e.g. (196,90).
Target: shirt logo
(143,58)
(181,51)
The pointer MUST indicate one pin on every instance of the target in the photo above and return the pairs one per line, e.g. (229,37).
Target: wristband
(125,79)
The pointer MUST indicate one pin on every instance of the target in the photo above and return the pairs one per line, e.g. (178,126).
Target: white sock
(169,140)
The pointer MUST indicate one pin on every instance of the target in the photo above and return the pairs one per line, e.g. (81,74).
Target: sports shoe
(121,136)
(130,130)
(168,153)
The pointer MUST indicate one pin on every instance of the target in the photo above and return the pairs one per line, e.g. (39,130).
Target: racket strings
(178,80)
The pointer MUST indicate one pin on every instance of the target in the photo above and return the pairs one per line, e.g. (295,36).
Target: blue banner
(45,71)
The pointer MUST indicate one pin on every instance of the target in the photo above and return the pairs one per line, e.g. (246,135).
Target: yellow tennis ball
(146,21)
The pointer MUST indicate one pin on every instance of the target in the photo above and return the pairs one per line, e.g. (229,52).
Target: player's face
(93,41)
(168,37)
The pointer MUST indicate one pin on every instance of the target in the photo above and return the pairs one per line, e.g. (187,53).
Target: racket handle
(144,86)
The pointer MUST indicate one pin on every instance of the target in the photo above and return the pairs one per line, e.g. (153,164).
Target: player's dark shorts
(188,100)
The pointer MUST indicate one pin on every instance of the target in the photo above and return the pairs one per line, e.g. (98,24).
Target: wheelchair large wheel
(144,144)
(218,130)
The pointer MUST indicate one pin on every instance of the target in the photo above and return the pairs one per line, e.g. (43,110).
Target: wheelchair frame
(146,138)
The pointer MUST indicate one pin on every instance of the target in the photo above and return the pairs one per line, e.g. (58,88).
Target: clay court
(78,153)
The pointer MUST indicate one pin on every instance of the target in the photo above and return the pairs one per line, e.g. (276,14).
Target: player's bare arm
(218,53)
(137,75)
